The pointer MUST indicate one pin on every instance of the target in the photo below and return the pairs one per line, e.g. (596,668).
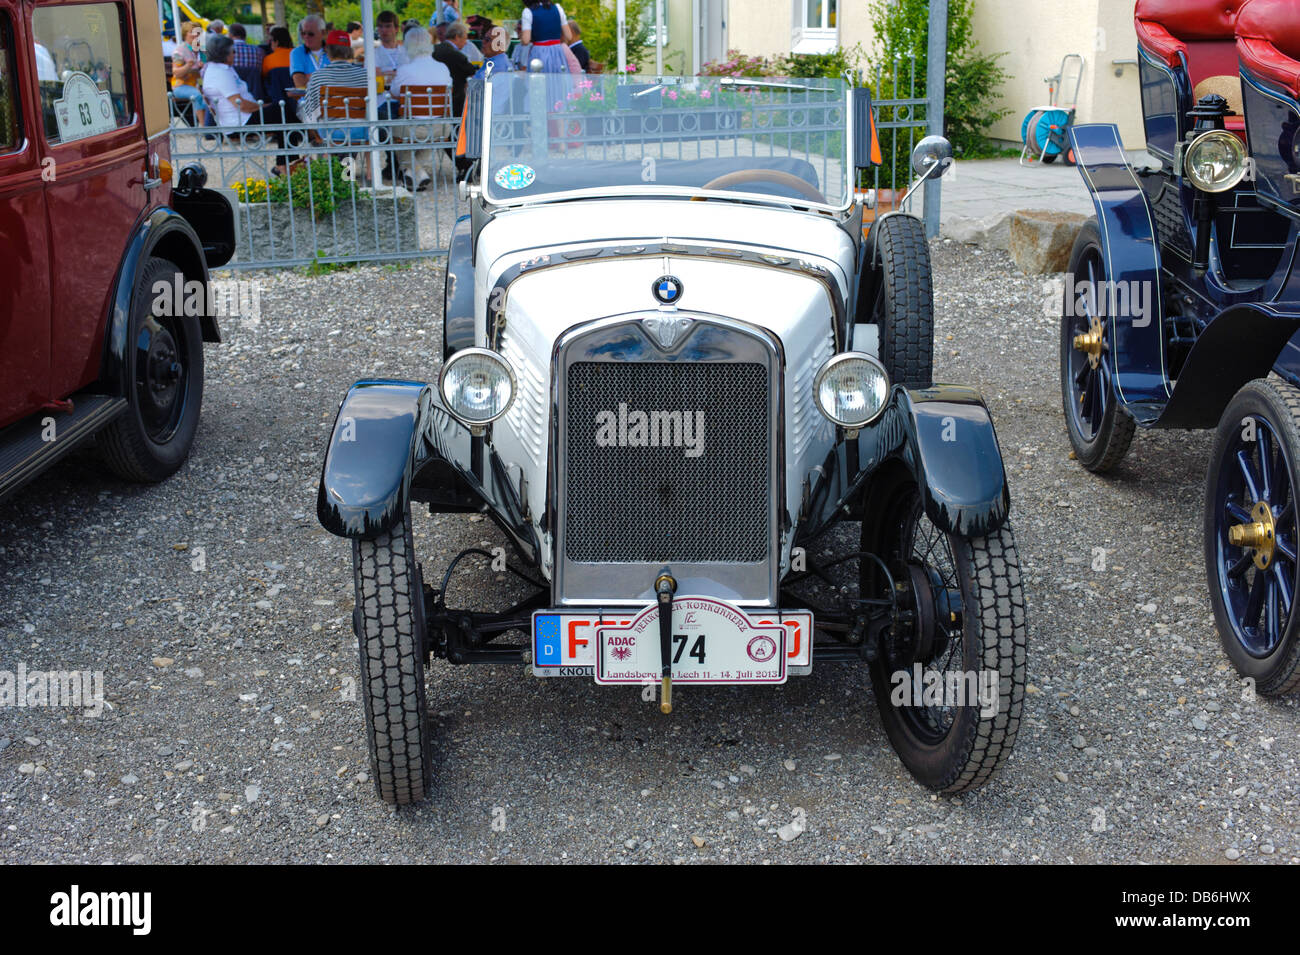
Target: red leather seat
(1268,41)
(1201,30)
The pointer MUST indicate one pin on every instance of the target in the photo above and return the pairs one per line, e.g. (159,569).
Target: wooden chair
(429,102)
(425,102)
(345,102)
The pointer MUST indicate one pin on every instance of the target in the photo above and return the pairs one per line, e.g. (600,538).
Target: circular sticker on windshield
(515,176)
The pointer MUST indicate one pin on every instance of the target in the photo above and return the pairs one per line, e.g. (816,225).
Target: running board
(33,444)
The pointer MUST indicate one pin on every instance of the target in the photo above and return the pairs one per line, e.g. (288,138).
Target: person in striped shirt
(339,71)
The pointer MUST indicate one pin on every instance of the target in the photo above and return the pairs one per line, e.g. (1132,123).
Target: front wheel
(1100,429)
(905,310)
(1252,534)
(389,622)
(949,677)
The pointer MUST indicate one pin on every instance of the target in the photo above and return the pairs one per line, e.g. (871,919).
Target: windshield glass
(554,135)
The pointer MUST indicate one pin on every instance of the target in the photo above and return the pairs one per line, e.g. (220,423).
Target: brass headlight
(1215,161)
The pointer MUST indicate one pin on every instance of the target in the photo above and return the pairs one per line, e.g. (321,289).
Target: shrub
(971,79)
(319,185)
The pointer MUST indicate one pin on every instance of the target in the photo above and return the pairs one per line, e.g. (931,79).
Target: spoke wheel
(1100,429)
(1253,534)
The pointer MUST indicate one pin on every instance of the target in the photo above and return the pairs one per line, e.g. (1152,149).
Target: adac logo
(761,649)
(667,290)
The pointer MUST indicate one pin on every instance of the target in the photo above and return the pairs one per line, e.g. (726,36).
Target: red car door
(24,242)
(93,132)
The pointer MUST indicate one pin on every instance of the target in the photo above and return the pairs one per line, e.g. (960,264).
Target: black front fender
(166,234)
(953,454)
(377,446)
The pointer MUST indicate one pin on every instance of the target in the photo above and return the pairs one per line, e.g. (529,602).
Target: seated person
(311,56)
(228,95)
(451,53)
(495,47)
(339,71)
(187,67)
(420,69)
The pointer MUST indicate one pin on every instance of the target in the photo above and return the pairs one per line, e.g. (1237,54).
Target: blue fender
(1239,345)
(952,450)
(1131,252)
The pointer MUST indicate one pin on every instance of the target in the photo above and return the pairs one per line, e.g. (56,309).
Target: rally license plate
(713,643)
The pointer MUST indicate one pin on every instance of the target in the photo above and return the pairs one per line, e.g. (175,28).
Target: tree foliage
(972,78)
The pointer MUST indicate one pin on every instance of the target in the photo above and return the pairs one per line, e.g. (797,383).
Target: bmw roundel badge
(667,289)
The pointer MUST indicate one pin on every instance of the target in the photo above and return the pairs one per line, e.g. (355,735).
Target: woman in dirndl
(544,34)
(544,27)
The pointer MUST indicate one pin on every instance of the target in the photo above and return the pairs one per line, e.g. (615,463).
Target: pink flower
(672,94)
(705,94)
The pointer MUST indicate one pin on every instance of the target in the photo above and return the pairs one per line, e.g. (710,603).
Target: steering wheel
(763,175)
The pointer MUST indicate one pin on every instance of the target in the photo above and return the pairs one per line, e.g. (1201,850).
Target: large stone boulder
(989,232)
(1041,239)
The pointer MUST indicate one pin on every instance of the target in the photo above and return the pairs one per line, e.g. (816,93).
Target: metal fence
(340,190)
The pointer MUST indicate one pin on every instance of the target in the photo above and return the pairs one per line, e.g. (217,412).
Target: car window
(11,137)
(81,70)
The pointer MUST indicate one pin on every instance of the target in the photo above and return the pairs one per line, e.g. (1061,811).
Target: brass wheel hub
(1090,342)
(1258,535)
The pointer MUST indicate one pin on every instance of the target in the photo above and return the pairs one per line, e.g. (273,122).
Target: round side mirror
(930,150)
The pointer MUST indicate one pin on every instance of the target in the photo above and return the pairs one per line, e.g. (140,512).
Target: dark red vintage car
(90,224)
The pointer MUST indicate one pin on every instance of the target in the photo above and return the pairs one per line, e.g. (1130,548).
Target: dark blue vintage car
(1183,297)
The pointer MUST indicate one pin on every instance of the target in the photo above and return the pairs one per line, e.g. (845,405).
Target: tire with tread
(390,628)
(906,309)
(125,444)
(993,638)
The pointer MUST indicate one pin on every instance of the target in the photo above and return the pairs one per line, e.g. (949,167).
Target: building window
(815,26)
(819,14)
(650,24)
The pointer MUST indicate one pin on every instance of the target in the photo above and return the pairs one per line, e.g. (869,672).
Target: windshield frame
(666,191)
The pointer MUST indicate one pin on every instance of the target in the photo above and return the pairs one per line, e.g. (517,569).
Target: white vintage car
(673,361)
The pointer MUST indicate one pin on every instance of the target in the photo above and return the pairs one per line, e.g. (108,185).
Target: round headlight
(851,389)
(1215,161)
(477,386)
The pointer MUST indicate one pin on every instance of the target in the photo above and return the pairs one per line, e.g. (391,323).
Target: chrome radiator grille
(628,502)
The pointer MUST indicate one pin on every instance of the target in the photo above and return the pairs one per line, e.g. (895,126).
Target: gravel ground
(228,739)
